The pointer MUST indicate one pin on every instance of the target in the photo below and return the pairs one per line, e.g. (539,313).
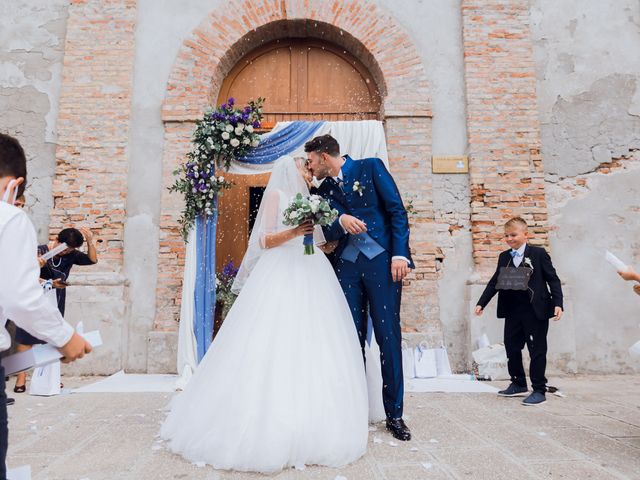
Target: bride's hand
(304,228)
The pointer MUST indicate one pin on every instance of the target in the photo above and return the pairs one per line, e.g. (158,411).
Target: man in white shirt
(21,296)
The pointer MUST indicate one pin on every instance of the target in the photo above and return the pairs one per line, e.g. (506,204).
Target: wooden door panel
(233,232)
(273,69)
(333,85)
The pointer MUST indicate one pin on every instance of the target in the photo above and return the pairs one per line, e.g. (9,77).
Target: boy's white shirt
(517,260)
(21,296)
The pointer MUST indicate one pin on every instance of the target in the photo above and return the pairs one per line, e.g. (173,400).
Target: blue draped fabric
(281,143)
(205,286)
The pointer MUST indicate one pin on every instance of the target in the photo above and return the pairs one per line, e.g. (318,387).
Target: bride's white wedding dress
(283,384)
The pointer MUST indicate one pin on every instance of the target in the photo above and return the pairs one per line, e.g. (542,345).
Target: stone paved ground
(593,433)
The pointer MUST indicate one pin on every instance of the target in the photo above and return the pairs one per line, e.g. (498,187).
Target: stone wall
(588,75)
(90,184)
(32,37)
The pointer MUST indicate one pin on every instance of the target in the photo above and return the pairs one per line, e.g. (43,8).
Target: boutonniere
(358,187)
(527,262)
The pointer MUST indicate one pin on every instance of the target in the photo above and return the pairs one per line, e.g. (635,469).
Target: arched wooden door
(301,79)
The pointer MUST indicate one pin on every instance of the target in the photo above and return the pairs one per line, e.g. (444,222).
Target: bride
(283,384)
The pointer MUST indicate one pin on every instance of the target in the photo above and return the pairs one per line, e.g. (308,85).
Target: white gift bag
(408,361)
(45,380)
(634,349)
(492,362)
(425,362)
(442,362)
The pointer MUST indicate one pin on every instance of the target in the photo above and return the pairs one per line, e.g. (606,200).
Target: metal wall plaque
(450,163)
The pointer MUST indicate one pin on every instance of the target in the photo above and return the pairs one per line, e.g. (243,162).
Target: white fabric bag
(492,362)
(425,362)
(45,381)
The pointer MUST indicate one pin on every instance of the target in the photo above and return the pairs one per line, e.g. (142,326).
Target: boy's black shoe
(536,398)
(514,390)
(10,401)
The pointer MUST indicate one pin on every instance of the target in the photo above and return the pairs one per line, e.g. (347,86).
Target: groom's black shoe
(398,429)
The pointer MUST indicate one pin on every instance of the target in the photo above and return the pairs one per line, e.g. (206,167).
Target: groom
(372,257)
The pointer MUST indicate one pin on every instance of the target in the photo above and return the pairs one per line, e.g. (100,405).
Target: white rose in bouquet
(246,141)
(239,129)
(229,128)
(249,128)
(235,142)
(255,143)
(225,135)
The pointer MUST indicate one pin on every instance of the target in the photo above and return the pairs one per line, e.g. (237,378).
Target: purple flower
(229,270)
(231,101)
(256,124)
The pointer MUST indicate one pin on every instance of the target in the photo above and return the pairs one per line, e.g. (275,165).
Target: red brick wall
(93,123)
(366,31)
(506,172)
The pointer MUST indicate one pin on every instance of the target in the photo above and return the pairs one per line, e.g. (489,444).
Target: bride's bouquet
(312,208)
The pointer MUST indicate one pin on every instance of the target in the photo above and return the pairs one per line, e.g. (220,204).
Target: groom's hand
(352,225)
(399,270)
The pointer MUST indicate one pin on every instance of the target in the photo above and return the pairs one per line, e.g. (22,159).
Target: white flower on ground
(221,179)
(235,142)
(225,135)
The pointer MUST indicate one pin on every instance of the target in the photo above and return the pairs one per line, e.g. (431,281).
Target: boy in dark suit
(526,312)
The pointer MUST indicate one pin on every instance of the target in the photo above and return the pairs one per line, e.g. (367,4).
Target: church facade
(491,108)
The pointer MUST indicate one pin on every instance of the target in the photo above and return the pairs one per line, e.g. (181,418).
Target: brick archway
(368,33)
(229,32)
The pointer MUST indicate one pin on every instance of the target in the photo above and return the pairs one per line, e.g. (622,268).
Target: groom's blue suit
(363,262)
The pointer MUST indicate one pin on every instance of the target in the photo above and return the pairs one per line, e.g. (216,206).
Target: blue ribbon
(282,142)
(205,286)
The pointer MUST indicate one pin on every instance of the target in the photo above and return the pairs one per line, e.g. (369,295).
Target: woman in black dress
(57,270)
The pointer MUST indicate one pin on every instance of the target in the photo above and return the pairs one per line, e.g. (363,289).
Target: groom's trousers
(369,289)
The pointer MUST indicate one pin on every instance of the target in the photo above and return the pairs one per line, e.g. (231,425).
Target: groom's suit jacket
(376,202)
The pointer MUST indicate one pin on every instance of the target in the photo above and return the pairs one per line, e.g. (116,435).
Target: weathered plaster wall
(32,35)
(588,76)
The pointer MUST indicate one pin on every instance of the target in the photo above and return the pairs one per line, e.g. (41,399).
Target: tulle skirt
(283,384)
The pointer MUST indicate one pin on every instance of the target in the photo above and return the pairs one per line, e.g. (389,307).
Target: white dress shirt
(339,181)
(21,296)
(517,259)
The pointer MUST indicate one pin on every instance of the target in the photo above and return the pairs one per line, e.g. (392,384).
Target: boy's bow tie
(515,253)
